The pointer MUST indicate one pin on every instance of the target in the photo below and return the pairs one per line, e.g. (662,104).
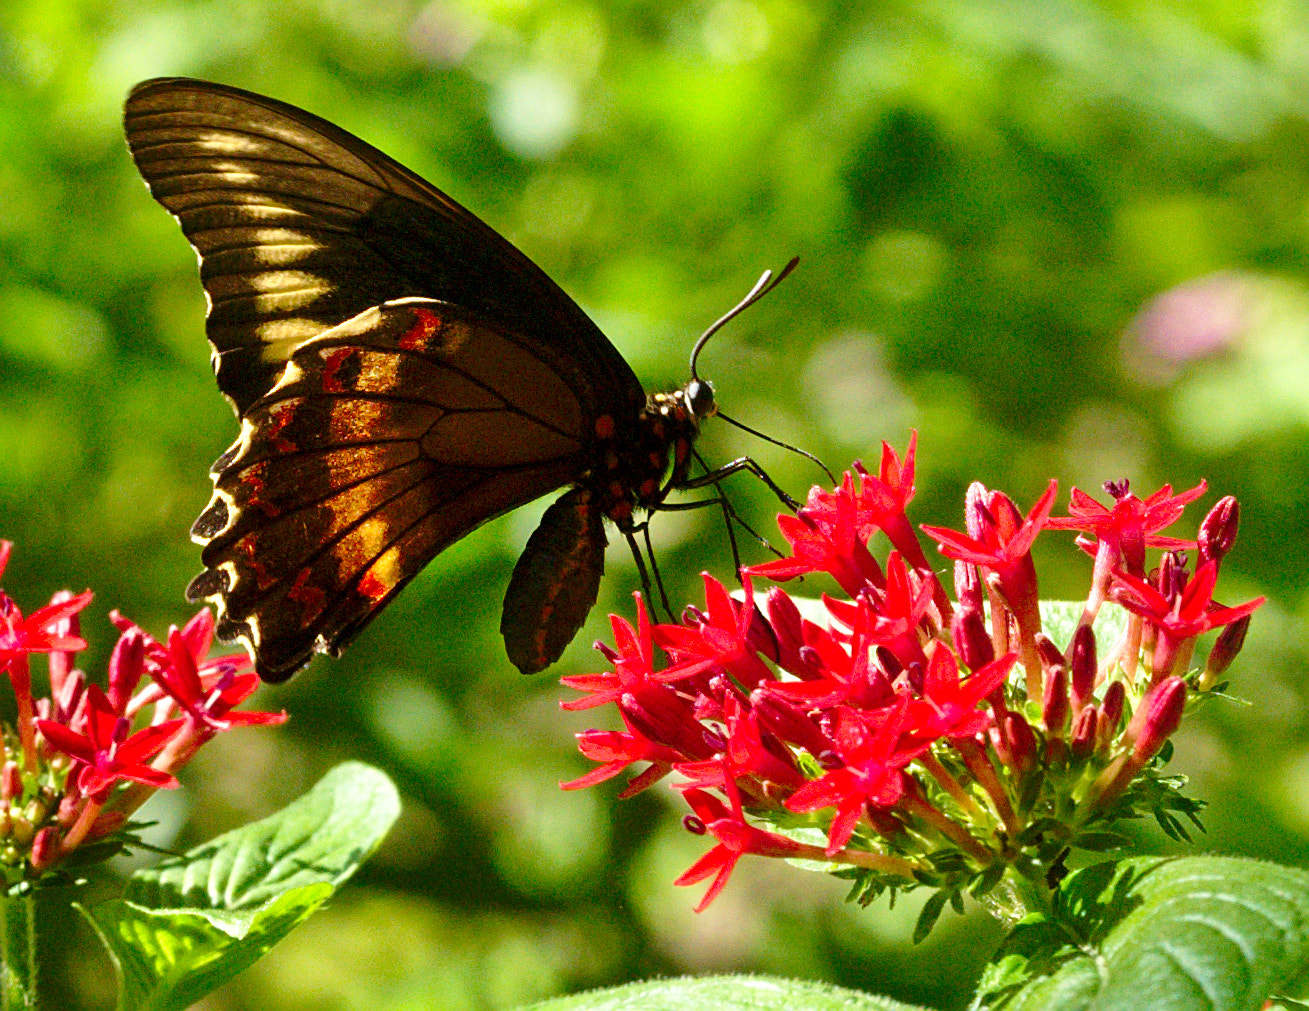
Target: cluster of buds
(913,740)
(79,762)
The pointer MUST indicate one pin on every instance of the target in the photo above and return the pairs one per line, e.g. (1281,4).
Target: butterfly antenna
(766,283)
(778,442)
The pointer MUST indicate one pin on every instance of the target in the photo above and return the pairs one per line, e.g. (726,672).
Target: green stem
(1016,896)
(18,953)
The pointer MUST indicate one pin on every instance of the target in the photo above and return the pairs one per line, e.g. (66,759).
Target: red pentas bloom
(1124,531)
(90,756)
(924,741)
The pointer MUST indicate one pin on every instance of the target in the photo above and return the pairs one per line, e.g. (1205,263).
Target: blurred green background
(1060,240)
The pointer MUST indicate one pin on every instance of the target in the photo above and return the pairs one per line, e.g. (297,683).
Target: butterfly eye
(700,399)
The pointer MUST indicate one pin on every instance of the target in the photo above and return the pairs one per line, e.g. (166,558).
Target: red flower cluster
(888,719)
(86,757)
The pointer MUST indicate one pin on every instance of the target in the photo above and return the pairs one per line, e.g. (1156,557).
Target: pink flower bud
(1218,531)
(1111,714)
(1047,651)
(789,723)
(1229,643)
(968,586)
(45,848)
(1082,667)
(126,667)
(11,781)
(1156,718)
(971,640)
(663,717)
(1022,742)
(1054,703)
(1082,741)
(788,627)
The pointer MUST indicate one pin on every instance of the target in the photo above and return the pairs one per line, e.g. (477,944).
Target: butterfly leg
(642,571)
(743,463)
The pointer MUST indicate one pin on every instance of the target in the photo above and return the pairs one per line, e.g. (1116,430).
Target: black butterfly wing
(387,439)
(300,226)
(328,504)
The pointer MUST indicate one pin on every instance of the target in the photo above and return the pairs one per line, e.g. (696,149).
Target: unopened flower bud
(11,781)
(1021,741)
(35,811)
(977,517)
(663,717)
(1047,651)
(1156,718)
(60,661)
(1171,577)
(1082,667)
(1054,702)
(1111,714)
(968,587)
(21,830)
(1218,531)
(69,808)
(1226,646)
(45,848)
(126,667)
(759,634)
(1082,740)
(788,627)
(972,642)
(789,723)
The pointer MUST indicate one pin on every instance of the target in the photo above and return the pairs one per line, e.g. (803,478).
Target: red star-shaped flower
(1131,525)
(106,751)
(874,755)
(736,837)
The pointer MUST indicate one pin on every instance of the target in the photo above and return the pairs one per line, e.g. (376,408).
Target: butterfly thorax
(638,467)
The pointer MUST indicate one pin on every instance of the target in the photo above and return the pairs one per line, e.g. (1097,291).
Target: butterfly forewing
(300,226)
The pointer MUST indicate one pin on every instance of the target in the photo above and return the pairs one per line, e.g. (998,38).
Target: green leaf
(1191,934)
(928,915)
(1059,620)
(724,993)
(192,923)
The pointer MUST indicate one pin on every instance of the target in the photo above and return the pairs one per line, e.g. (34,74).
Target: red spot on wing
(247,551)
(373,587)
(418,336)
(252,481)
(605,428)
(279,416)
(303,592)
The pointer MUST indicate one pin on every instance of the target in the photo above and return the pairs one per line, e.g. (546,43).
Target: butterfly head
(698,398)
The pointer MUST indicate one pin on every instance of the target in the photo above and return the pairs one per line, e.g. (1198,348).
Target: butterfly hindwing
(387,438)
